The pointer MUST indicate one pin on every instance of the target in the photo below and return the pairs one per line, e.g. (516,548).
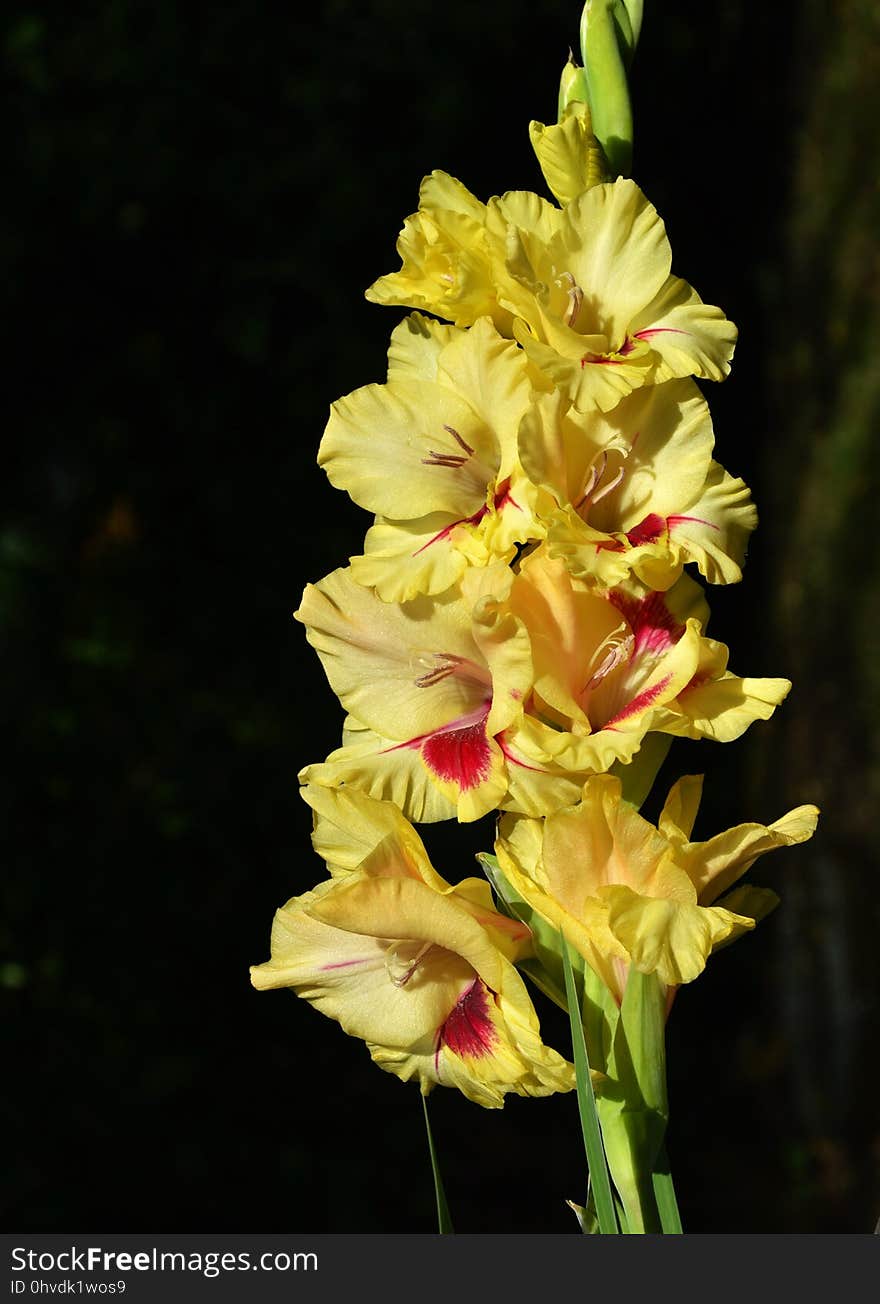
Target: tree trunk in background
(820,512)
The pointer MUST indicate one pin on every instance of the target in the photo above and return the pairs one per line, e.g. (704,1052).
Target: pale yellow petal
(618,254)
(408,448)
(714,865)
(491,374)
(490,1046)
(688,337)
(416,344)
(668,432)
(387,663)
(587,931)
(567,624)
(679,811)
(669,938)
(569,154)
(386,770)
(718,704)
(602,841)
(535,786)
(590,382)
(349,826)
(714,531)
(446,264)
(403,559)
(441,194)
(348,973)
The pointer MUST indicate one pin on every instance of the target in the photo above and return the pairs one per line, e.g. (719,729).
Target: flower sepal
(544,968)
(568,152)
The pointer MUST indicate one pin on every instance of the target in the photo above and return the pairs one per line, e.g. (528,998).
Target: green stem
(632,1105)
(444,1221)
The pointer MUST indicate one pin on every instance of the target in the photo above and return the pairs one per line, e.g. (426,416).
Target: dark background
(195,199)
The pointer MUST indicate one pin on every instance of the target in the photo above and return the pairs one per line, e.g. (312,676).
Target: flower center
(440,665)
(575,296)
(402,960)
(612,652)
(456,454)
(452,459)
(594,489)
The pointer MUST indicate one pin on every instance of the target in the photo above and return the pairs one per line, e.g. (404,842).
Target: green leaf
(601,1016)
(600,1182)
(546,970)
(664,1194)
(444,1221)
(586,1216)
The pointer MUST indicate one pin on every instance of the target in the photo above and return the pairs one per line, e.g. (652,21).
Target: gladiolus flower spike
(523,633)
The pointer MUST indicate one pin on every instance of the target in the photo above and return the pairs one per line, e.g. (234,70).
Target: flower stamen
(400,968)
(454,460)
(575,299)
(442,664)
(617,648)
(592,494)
(445,663)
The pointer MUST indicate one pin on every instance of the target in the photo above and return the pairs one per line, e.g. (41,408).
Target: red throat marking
(468,1030)
(654,626)
(461,756)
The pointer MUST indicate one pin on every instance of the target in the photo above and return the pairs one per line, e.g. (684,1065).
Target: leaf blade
(600,1182)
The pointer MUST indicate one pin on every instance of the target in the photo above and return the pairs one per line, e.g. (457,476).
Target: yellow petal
(718,704)
(403,559)
(446,264)
(687,336)
(585,929)
(680,809)
(602,841)
(416,976)
(416,344)
(576,364)
(569,154)
(490,373)
(669,938)
(349,826)
(714,865)
(408,448)
(618,254)
(383,769)
(490,1045)
(403,670)
(714,531)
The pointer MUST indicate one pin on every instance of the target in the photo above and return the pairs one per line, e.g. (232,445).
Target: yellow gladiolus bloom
(434,453)
(636,491)
(418,969)
(446,256)
(508,690)
(627,894)
(612,665)
(596,307)
(587,289)
(435,681)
